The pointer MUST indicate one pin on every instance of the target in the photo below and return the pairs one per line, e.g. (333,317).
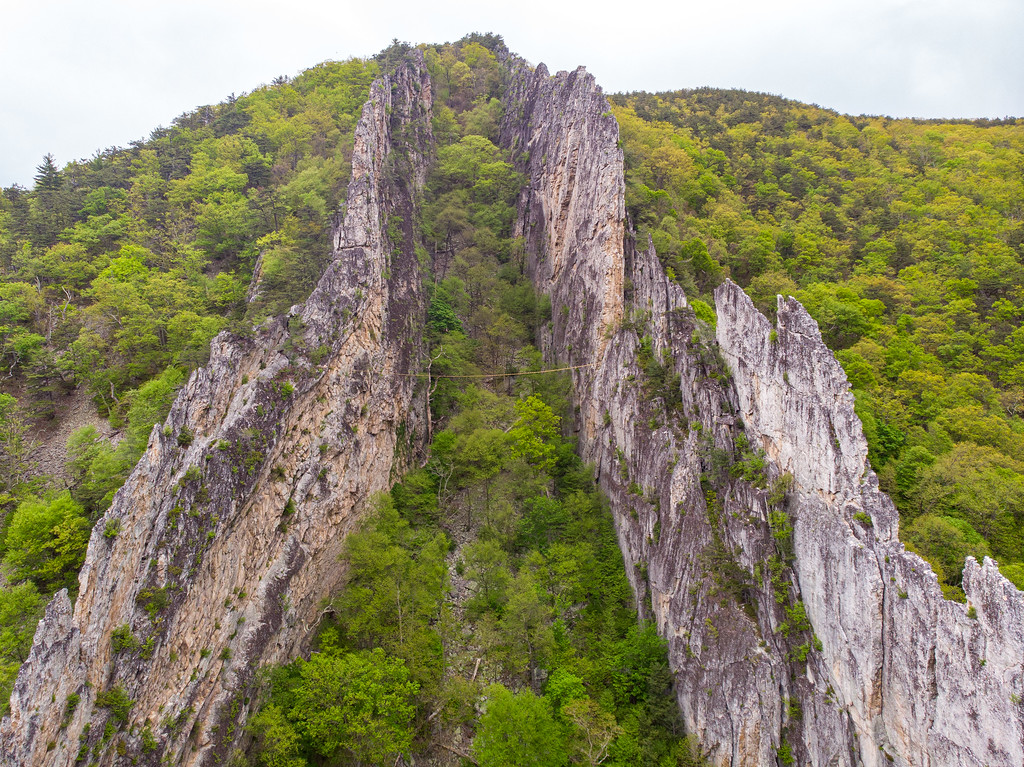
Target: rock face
(217,552)
(754,532)
(753,529)
(921,678)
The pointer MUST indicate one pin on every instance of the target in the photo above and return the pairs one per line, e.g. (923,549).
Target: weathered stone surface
(919,677)
(606,295)
(233,519)
(902,676)
(572,210)
(293,428)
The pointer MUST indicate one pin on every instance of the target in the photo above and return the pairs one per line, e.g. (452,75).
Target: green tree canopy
(359,703)
(46,542)
(518,730)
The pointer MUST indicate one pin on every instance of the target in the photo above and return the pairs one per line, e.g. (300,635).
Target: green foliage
(148,740)
(730,575)
(864,519)
(185,437)
(750,466)
(487,565)
(467,216)
(518,730)
(704,312)
(785,753)
(562,688)
(281,745)
(21,607)
(70,706)
(467,78)
(116,700)
(16,452)
(473,191)
(945,542)
(778,490)
(123,640)
(793,710)
(593,730)
(359,704)
(395,582)
(637,656)
(534,433)
(416,497)
(796,620)
(46,542)
(153,600)
(521,636)
(982,487)
(97,470)
(660,380)
(782,532)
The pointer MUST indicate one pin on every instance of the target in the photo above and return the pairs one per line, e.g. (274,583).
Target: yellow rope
(496,375)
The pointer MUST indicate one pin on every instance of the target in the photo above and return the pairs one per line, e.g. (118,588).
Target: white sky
(80,75)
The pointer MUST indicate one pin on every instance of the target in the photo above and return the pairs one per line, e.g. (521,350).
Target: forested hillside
(486,611)
(491,578)
(905,241)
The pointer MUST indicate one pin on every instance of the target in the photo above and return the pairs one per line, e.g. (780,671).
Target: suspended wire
(500,375)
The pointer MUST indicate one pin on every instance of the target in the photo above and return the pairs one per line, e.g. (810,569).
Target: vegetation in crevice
(739,483)
(487,591)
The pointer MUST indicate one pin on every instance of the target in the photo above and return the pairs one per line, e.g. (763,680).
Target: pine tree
(47,175)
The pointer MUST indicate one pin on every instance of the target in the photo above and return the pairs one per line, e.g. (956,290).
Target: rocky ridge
(216,554)
(922,679)
(753,529)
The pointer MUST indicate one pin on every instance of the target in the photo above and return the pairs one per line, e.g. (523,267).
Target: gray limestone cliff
(754,533)
(753,529)
(230,526)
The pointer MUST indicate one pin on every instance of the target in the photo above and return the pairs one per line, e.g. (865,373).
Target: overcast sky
(80,75)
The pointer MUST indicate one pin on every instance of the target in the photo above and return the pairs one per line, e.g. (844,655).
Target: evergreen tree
(47,175)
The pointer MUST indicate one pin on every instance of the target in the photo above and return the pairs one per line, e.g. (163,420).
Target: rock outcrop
(921,679)
(754,533)
(217,553)
(753,529)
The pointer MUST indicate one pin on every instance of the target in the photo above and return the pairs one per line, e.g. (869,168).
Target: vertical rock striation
(754,533)
(753,529)
(232,521)
(922,679)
